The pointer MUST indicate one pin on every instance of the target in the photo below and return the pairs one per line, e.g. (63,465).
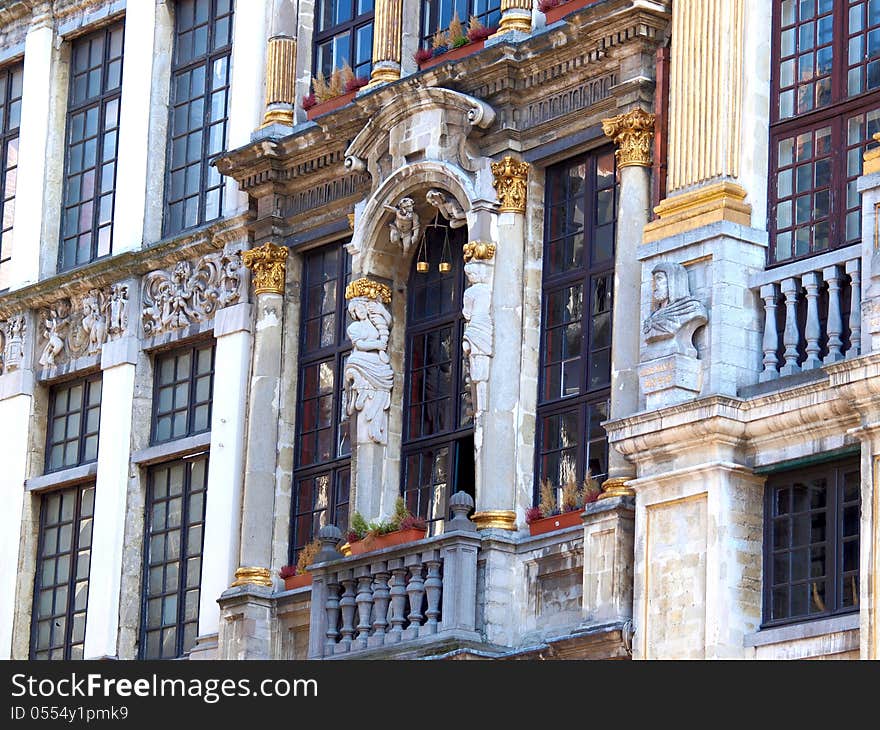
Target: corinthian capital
(510,184)
(269,266)
(632,133)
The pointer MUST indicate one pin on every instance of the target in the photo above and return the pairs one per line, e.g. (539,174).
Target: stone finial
(460,503)
(280,81)
(329,536)
(269,264)
(510,184)
(632,133)
(479,251)
(369,289)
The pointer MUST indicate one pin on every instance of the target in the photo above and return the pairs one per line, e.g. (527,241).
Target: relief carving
(675,314)
(13,351)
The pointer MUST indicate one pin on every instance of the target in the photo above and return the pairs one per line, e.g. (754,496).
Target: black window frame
(9,136)
(77,536)
(337,467)
(489,16)
(349,27)
(192,349)
(87,382)
(181,69)
(835,506)
(588,403)
(104,133)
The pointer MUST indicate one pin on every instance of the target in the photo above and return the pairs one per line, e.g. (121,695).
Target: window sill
(805,630)
(172,449)
(63,477)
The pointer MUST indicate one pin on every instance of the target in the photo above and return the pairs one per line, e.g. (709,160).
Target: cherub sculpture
(406,226)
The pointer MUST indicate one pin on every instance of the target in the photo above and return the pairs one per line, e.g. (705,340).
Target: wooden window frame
(87,384)
(192,350)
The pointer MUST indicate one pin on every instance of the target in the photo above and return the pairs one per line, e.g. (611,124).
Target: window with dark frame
(811,543)
(61,583)
(199,112)
(437,456)
(91,149)
(322,478)
(184,384)
(577,300)
(437,14)
(10,121)
(825,108)
(74,419)
(343,35)
(173,545)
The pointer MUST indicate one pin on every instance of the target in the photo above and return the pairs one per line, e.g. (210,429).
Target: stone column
(232,331)
(496,397)
(280,81)
(134,126)
(516,17)
(609,533)
(387,35)
(118,360)
(269,265)
(40,65)
(632,133)
(368,379)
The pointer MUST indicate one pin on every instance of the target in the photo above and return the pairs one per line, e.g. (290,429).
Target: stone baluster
(434,589)
(332,613)
(831,274)
(769,293)
(347,605)
(381,597)
(415,589)
(364,601)
(813,331)
(398,598)
(854,269)
(790,336)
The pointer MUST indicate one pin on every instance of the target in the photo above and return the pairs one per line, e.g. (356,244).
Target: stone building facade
(268,268)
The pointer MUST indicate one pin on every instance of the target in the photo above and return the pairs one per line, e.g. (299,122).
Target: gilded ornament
(616,487)
(252,576)
(479,250)
(495,519)
(872,158)
(269,264)
(510,184)
(369,289)
(632,133)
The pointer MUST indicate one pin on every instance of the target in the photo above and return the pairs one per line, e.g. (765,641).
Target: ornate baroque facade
(588,289)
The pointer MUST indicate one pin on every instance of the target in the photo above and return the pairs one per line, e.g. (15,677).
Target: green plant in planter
(402,518)
(457,36)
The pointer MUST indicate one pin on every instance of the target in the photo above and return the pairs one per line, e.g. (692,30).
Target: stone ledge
(18,382)
(63,477)
(782,383)
(172,449)
(806,630)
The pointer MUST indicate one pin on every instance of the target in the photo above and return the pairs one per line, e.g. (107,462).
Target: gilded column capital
(510,184)
(280,81)
(252,576)
(516,16)
(369,289)
(632,133)
(478,250)
(269,266)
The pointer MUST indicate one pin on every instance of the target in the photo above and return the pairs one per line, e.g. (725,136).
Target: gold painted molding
(350,217)
(724,201)
(252,576)
(516,15)
(280,80)
(269,266)
(479,250)
(497,519)
(632,133)
(872,158)
(510,184)
(369,289)
(616,487)
(387,41)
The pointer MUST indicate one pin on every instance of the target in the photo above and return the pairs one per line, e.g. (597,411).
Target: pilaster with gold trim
(387,41)
(280,81)
(516,17)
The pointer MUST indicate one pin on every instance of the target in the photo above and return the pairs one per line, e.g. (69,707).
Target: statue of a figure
(675,314)
(94,321)
(54,327)
(478,330)
(368,376)
(406,226)
(448,206)
(14,352)
(118,309)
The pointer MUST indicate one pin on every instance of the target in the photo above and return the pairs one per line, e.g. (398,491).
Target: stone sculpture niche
(670,372)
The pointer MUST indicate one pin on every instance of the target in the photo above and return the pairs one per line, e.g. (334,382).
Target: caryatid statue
(675,314)
(477,313)
(368,376)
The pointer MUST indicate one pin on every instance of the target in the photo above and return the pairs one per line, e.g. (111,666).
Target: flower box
(330,105)
(556,522)
(560,11)
(453,54)
(377,542)
(297,581)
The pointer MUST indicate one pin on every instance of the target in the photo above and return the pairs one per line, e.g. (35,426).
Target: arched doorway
(437,455)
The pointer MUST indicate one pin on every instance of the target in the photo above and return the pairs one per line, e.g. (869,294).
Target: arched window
(438,434)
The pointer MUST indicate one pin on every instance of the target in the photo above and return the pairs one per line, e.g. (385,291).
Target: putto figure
(406,226)
(448,206)
(54,327)
(675,314)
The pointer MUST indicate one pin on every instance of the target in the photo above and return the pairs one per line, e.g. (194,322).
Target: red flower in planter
(288,571)
(532,514)
(545,5)
(308,101)
(422,55)
(358,82)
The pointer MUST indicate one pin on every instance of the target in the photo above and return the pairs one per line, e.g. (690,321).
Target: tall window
(199,110)
(184,383)
(323,470)
(811,543)
(61,590)
(575,374)
(173,557)
(74,417)
(92,141)
(825,107)
(343,34)
(10,120)
(438,446)
(437,14)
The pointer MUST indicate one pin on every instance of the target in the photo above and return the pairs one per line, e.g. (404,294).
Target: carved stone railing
(812,312)
(414,594)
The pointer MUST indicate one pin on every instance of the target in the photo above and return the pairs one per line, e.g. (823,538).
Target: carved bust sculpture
(406,226)
(448,206)
(675,314)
